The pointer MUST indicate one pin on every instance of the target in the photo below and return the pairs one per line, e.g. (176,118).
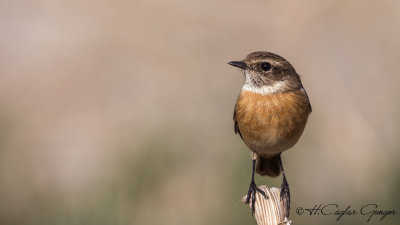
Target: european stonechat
(270,115)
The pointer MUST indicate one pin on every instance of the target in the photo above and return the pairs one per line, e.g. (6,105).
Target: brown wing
(236,126)
(309,104)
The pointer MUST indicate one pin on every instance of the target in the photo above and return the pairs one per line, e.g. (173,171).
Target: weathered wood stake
(270,210)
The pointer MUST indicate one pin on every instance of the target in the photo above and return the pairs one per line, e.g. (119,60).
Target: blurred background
(120,112)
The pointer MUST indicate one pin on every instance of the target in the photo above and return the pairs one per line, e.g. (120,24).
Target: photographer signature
(368,210)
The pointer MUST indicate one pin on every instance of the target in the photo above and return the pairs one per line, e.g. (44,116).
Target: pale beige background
(120,112)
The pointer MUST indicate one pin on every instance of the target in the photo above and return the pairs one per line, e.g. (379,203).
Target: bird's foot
(253,189)
(285,196)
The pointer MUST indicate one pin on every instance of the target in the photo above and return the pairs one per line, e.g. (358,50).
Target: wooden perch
(270,210)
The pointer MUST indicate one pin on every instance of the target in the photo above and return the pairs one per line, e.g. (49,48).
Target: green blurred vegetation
(117,112)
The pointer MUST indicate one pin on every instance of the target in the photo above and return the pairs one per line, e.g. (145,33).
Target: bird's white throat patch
(263,90)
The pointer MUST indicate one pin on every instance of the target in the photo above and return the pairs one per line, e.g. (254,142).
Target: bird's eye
(266,66)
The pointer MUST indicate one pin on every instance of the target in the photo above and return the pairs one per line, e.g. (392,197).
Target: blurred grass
(115,112)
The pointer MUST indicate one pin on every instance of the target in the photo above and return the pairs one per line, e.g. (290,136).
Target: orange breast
(272,123)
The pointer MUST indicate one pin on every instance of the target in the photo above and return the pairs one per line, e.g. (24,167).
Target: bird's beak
(240,64)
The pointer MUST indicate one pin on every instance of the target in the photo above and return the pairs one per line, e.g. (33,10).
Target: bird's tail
(268,166)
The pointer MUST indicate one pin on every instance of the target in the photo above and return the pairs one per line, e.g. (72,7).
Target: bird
(270,115)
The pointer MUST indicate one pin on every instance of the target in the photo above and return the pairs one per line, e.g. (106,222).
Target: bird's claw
(253,189)
(285,196)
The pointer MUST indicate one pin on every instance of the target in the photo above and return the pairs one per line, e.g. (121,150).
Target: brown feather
(270,124)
